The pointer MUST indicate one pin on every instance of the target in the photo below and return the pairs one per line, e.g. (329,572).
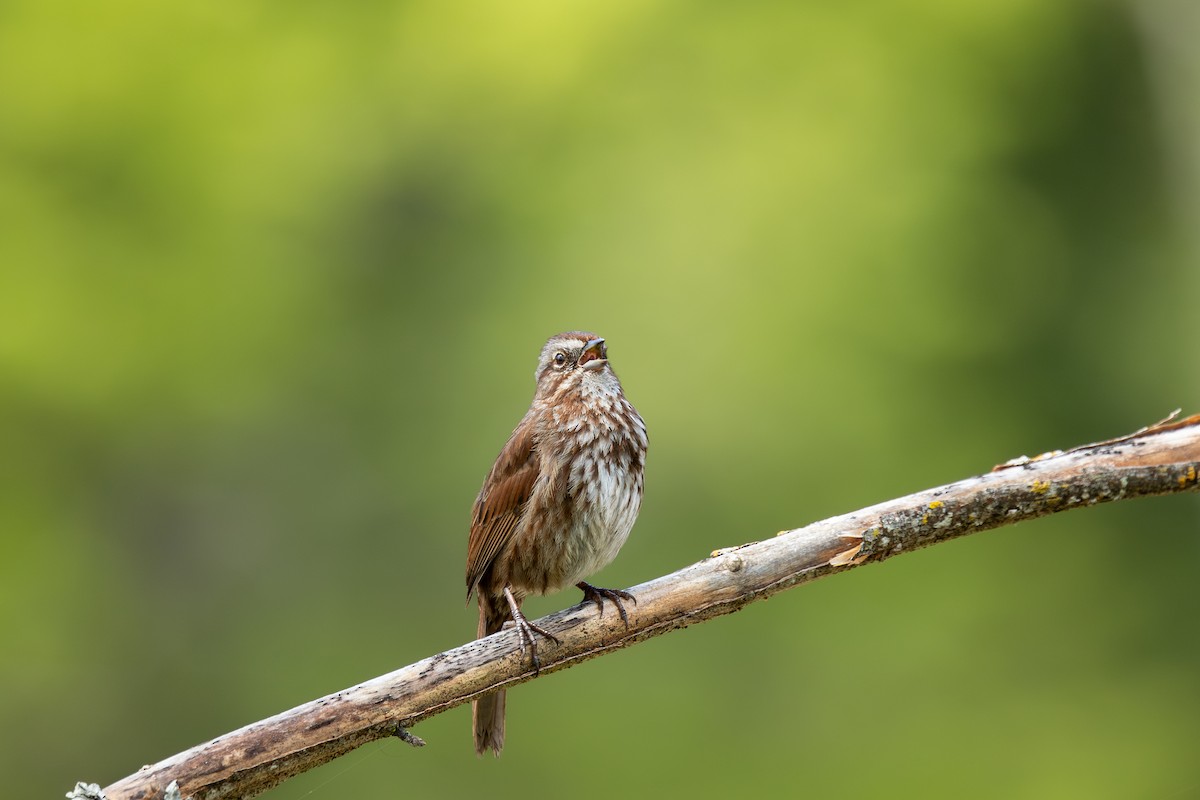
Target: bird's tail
(487,713)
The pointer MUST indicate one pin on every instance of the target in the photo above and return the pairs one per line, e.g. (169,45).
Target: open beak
(592,356)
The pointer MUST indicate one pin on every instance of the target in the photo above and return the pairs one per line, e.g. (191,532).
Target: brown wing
(500,503)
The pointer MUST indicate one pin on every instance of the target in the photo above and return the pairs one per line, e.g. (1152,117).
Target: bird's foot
(597,595)
(526,631)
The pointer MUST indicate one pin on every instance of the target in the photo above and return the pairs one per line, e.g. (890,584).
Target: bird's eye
(560,359)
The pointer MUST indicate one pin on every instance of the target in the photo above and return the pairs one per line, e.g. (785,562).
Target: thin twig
(1161,459)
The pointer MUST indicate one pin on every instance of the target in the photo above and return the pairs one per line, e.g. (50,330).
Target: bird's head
(576,358)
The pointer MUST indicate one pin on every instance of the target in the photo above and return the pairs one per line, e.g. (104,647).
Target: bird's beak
(592,356)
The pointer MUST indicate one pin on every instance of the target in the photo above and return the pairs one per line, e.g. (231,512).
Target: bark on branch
(1161,459)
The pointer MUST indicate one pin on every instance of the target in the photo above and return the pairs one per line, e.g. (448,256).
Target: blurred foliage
(275,276)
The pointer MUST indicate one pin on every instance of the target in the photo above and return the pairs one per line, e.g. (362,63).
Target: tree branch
(1161,459)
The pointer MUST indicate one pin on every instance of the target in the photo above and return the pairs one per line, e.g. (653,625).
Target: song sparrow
(558,503)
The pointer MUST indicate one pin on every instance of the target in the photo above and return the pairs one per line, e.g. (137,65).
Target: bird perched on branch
(558,503)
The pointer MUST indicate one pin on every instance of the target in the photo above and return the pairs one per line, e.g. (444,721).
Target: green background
(275,276)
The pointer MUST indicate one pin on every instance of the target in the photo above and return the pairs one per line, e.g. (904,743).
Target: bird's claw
(526,631)
(525,635)
(595,594)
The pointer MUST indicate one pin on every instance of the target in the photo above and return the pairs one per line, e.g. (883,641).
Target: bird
(558,503)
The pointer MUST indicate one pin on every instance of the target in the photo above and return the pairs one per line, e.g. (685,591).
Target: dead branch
(1160,459)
